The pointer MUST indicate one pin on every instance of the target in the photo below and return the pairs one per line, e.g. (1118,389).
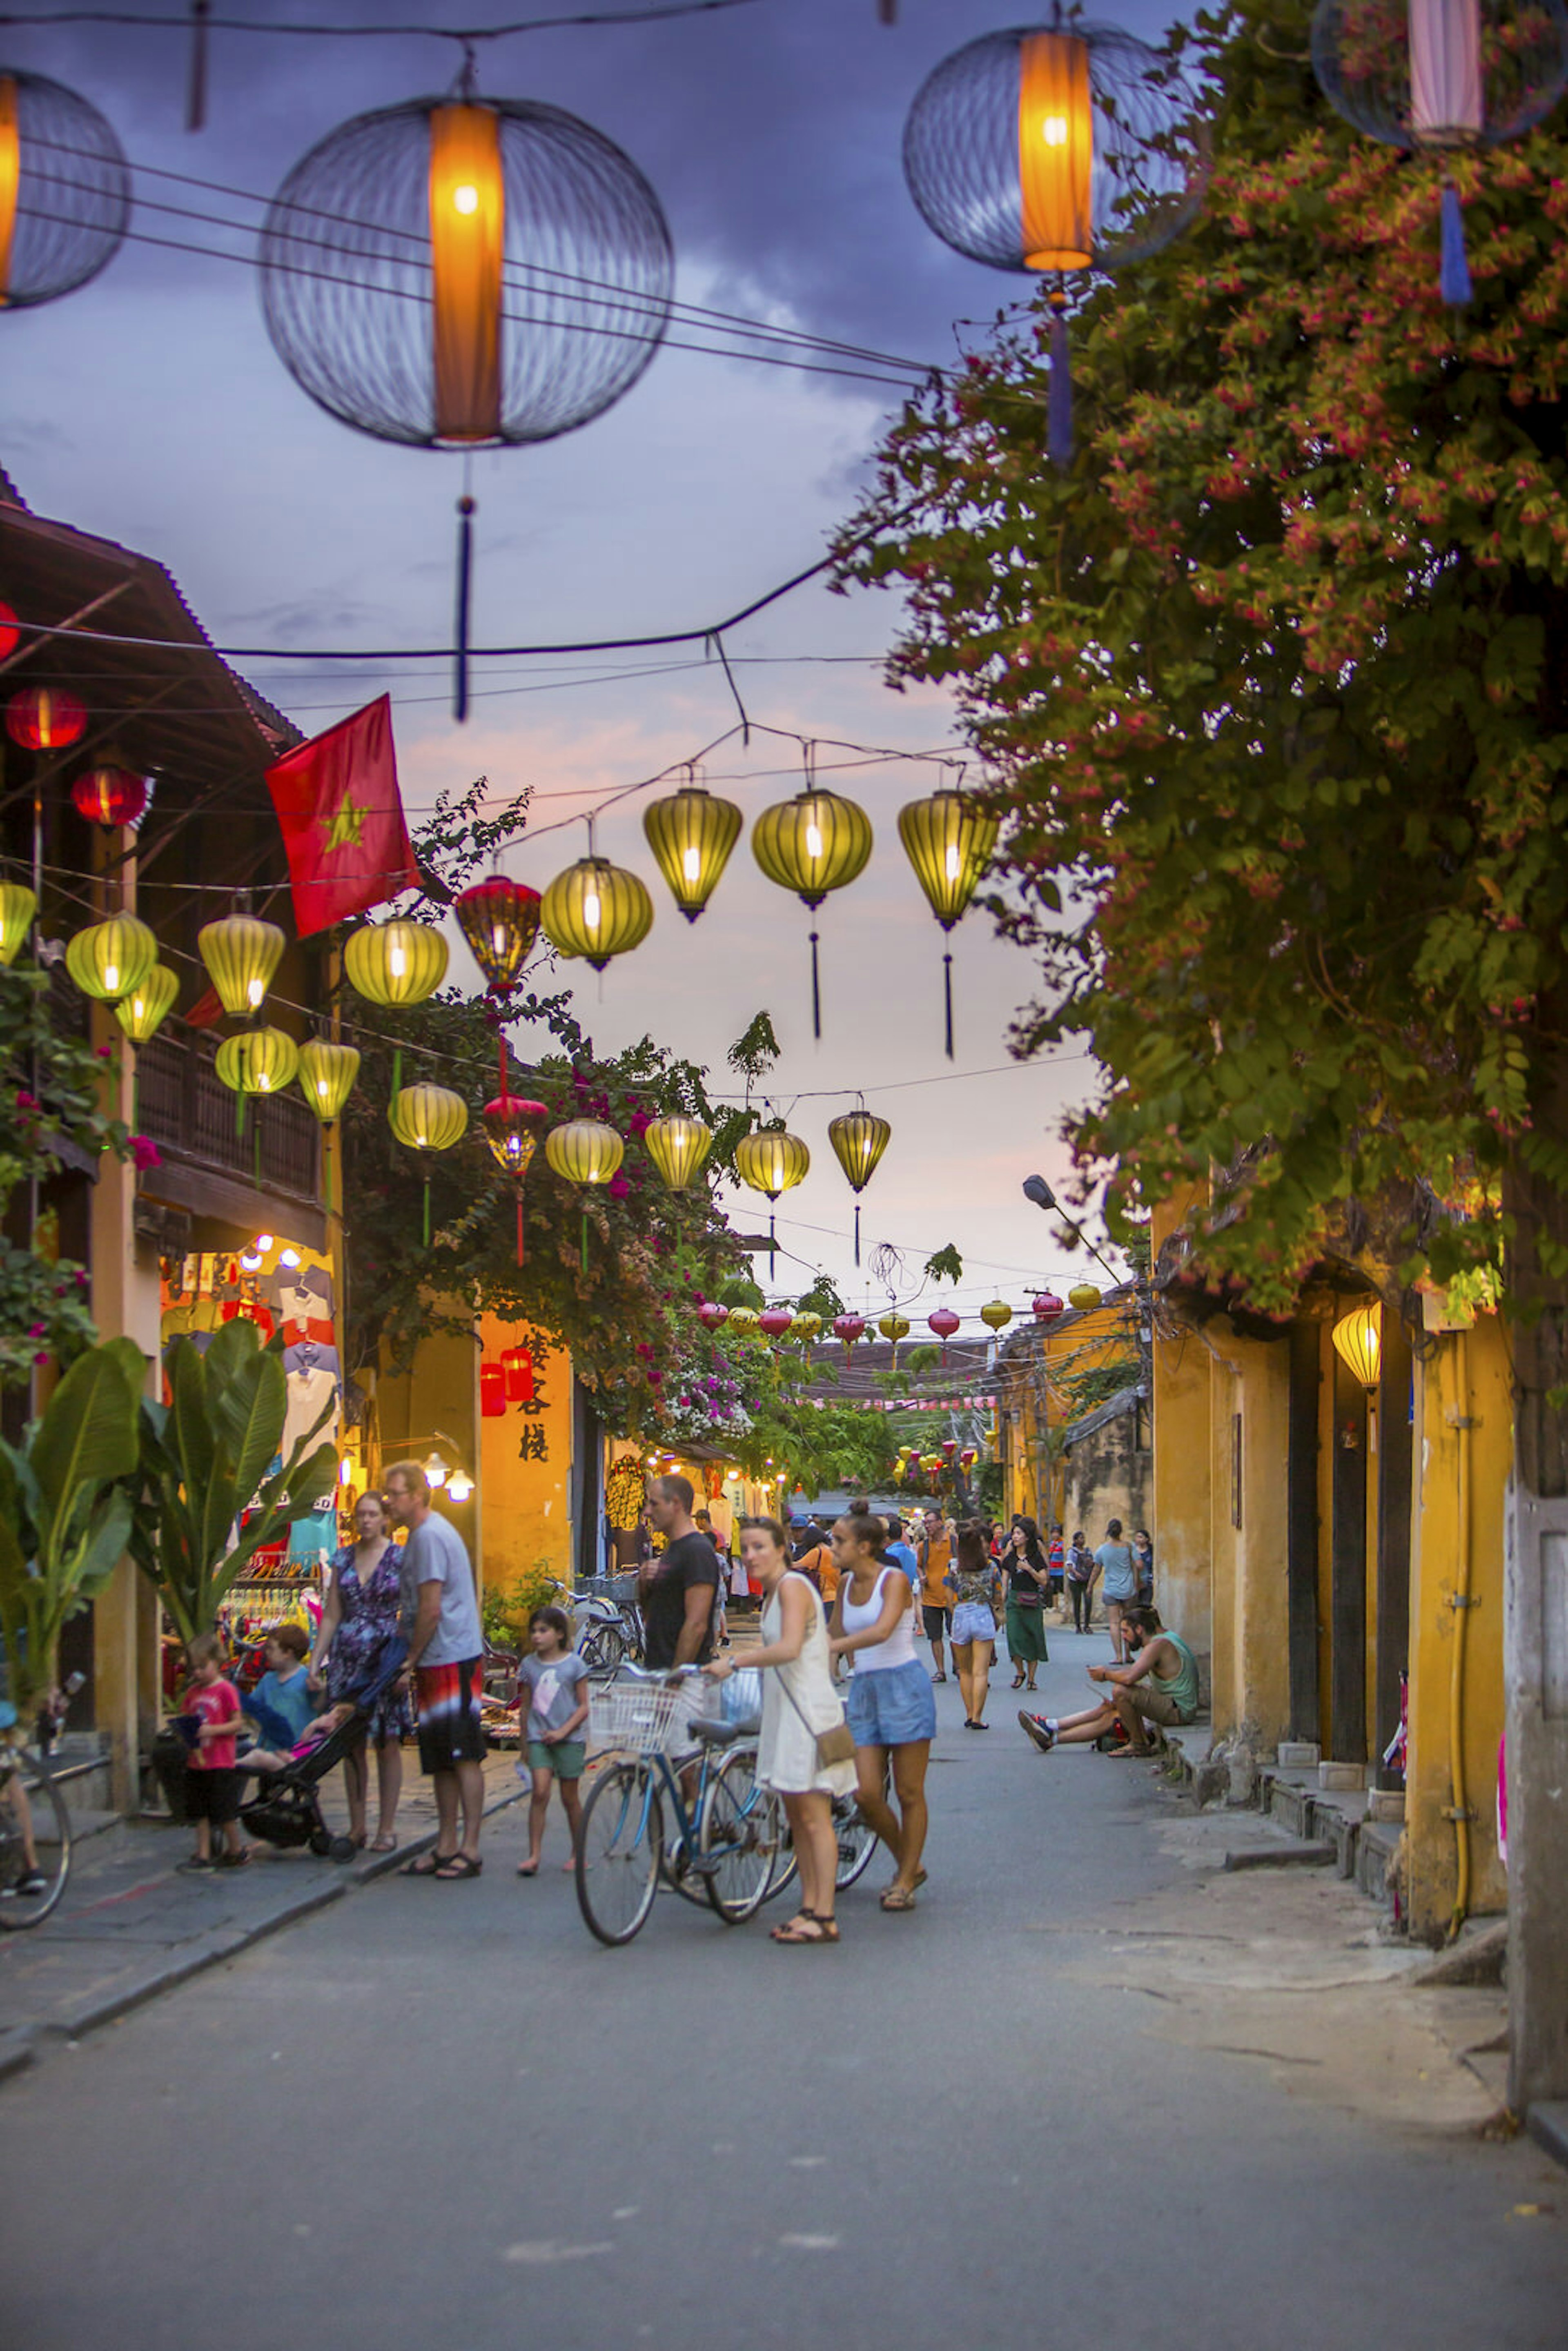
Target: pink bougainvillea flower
(145,1152)
(619,1189)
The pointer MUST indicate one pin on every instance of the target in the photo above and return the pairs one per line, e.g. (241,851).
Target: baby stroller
(285,1810)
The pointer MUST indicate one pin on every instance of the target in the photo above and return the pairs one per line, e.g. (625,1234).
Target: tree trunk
(1536,1621)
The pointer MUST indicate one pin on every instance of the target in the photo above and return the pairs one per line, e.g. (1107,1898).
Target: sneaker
(28,1887)
(1035,1726)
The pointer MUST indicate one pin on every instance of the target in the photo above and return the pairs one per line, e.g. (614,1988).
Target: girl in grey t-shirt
(1119,1583)
(552,1700)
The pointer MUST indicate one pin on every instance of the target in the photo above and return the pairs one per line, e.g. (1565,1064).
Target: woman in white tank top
(891,1709)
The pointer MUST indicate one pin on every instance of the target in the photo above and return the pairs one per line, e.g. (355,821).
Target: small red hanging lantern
(10,635)
(45,718)
(775,1322)
(967,1458)
(512,1128)
(950,1445)
(849,1328)
(1048,1307)
(944,1322)
(712,1315)
(492,1392)
(517,1370)
(112,795)
(500,921)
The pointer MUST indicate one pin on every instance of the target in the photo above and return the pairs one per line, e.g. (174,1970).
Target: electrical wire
(464,35)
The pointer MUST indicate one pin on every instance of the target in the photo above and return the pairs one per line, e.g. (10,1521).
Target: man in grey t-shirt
(440,1621)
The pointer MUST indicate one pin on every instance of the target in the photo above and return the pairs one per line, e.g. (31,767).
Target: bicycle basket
(623,1589)
(641,1718)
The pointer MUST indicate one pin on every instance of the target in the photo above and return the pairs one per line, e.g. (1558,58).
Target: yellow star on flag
(344,827)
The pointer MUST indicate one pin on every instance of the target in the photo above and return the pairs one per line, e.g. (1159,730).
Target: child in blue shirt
(284,1688)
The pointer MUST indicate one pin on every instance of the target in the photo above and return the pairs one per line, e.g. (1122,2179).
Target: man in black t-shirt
(676,1590)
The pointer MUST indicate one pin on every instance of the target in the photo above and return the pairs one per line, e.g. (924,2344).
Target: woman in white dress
(798,1703)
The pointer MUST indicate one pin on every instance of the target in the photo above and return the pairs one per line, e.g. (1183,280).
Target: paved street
(434,2115)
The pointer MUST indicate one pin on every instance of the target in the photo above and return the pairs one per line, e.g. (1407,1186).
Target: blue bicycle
(681,1802)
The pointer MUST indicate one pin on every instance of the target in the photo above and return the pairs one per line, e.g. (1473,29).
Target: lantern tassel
(857,1232)
(465,600)
(1059,404)
(427,1211)
(397,1071)
(256,1126)
(239,1116)
(196,89)
(1455,274)
(947,996)
(816,993)
(519,1227)
(584,1246)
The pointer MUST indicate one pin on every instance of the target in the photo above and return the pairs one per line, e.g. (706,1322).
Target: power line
(464,35)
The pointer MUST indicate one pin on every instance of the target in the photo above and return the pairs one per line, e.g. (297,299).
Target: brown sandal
(898,1897)
(827,1929)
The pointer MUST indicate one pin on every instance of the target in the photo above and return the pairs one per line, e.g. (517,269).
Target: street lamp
(1037,1189)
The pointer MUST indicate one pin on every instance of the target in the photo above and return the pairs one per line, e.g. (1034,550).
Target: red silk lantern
(1048,1307)
(500,921)
(10,635)
(492,1392)
(45,718)
(849,1328)
(712,1315)
(950,1445)
(944,1322)
(968,1458)
(112,795)
(512,1128)
(518,1368)
(775,1323)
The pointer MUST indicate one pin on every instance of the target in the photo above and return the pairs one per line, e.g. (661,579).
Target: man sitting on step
(1158,1685)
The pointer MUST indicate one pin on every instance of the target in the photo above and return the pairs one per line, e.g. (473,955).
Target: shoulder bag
(836,1745)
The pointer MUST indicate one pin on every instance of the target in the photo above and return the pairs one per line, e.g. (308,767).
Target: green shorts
(567,1758)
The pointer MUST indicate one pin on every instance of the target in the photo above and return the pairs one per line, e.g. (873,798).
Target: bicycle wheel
(618,1853)
(51,1824)
(857,1842)
(742,1828)
(601,1649)
(786,1869)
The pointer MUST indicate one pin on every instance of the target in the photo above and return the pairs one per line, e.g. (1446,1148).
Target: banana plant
(66,1511)
(204,1458)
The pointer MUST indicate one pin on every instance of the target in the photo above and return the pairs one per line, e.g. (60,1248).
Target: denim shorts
(972,1621)
(893,1707)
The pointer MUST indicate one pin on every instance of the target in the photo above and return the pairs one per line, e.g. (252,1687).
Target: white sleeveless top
(898,1649)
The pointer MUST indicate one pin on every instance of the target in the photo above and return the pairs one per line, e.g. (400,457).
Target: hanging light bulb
(435,1472)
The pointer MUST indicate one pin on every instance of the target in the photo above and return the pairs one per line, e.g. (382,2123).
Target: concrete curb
(24,2044)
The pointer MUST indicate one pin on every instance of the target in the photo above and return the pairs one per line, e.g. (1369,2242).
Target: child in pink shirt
(212,1778)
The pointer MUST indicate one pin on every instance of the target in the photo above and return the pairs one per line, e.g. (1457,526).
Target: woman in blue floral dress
(359,1623)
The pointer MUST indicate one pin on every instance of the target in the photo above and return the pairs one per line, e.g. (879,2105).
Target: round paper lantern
(108,960)
(690,834)
(743,1319)
(771,1160)
(143,1011)
(996,1315)
(859,1139)
(584,1151)
(241,953)
(1439,75)
(112,795)
(512,1128)
(258,1062)
(327,1074)
(426,1118)
(18,907)
(10,635)
(389,252)
(944,1321)
(850,1327)
(1056,149)
(712,1315)
(597,910)
(815,843)
(967,1458)
(1048,1307)
(678,1146)
(948,838)
(395,963)
(65,191)
(894,1327)
(500,921)
(774,1321)
(45,718)
(1083,1295)
(1358,1340)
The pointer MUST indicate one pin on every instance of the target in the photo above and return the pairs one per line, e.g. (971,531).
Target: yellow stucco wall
(1183,1570)
(526,1500)
(434,1407)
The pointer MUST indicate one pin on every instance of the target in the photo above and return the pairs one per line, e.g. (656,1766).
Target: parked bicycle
(34,1838)
(682,1804)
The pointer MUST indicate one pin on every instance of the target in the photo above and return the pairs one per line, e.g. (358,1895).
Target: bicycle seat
(724,1734)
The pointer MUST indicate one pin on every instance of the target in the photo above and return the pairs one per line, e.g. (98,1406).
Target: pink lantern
(968,1458)
(775,1322)
(1048,1307)
(849,1328)
(944,1322)
(712,1315)
(950,1445)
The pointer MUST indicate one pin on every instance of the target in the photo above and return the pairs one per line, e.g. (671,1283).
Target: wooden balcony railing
(184,1108)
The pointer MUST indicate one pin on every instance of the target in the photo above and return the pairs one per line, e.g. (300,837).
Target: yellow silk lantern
(428,1118)
(743,1319)
(597,910)
(948,838)
(859,1139)
(1358,1340)
(806,1327)
(259,1062)
(241,953)
(17,908)
(395,963)
(996,1315)
(109,959)
(327,1074)
(143,1012)
(584,1151)
(815,843)
(690,834)
(1084,1296)
(678,1146)
(771,1161)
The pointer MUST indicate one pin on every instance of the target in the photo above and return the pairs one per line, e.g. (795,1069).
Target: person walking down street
(1159,1686)
(439,1619)
(676,1590)
(798,1705)
(552,1697)
(976,1584)
(1120,1571)
(813,1559)
(1027,1571)
(891,1709)
(1144,1561)
(1082,1567)
(359,1623)
(1056,1560)
(721,1591)
(935,1550)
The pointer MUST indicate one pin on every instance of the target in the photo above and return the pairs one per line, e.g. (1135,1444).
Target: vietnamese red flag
(343,832)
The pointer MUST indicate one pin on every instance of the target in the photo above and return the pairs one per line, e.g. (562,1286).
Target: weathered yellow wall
(439,1393)
(1262,1667)
(1183,1577)
(1467,1378)
(526,1514)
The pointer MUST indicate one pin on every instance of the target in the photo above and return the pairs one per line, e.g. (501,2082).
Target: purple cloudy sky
(151,407)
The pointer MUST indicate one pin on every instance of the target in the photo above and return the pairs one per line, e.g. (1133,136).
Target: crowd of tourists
(848,1703)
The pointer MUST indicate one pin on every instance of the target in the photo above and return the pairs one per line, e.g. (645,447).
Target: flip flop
(898,1897)
(384,1844)
(528,1869)
(455,1868)
(426,1865)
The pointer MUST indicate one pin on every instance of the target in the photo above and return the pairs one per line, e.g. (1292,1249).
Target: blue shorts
(972,1621)
(892,1707)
